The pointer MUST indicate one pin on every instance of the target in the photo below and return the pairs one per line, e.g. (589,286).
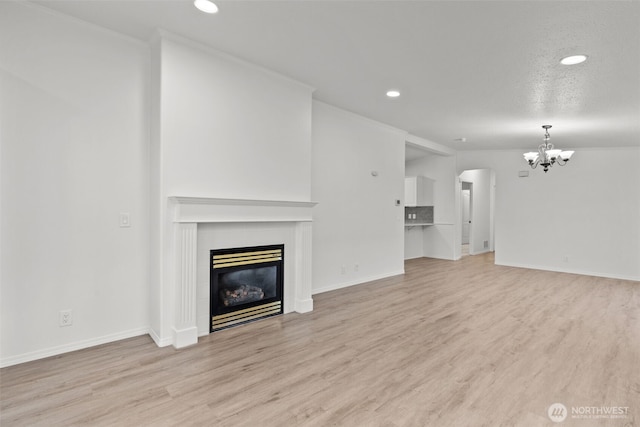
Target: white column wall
(357,229)
(223,128)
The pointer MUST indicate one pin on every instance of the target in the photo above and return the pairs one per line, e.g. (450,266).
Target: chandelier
(546,155)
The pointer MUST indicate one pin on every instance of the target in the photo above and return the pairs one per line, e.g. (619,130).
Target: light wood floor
(460,343)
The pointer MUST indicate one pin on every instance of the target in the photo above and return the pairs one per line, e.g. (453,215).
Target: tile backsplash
(418,215)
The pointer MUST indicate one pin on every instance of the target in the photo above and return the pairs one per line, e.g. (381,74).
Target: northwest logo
(557,412)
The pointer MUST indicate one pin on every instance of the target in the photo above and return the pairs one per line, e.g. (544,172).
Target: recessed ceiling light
(573,60)
(393,94)
(206,6)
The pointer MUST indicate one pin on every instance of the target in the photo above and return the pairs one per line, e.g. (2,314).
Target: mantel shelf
(182,200)
(208,210)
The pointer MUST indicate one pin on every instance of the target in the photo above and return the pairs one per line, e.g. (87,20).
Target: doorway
(466,194)
(476,195)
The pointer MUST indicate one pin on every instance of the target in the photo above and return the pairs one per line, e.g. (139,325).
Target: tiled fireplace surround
(201,224)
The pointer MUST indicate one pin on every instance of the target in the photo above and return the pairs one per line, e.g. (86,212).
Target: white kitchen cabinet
(418,191)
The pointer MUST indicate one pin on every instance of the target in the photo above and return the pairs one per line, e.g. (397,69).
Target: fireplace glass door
(246,284)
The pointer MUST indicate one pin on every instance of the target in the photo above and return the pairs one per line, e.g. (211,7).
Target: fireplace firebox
(246,285)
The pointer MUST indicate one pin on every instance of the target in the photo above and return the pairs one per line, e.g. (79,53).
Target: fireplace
(199,224)
(246,284)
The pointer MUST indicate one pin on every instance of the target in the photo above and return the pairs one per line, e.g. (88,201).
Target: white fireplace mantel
(186,213)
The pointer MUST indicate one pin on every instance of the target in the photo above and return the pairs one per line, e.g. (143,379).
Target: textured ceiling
(485,71)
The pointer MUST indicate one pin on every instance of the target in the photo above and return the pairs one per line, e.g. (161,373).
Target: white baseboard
(356,282)
(448,257)
(66,348)
(571,271)
(159,341)
(484,251)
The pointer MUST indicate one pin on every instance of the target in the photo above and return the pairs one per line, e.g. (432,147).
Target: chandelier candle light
(546,155)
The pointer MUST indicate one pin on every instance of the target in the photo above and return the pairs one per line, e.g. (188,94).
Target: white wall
(587,211)
(74,155)
(222,128)
(438,241)
(356,222)
(413,242)
(231,129)
(481,215)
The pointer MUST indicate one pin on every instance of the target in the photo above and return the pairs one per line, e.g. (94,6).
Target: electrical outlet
(125,220)
(356,267)
(65,318)
(343,270)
